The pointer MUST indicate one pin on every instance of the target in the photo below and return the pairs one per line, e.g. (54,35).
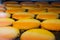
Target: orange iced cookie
(6,21)
(12,5)
(13,8)
(22,15)
(10,2)
(27,5)
(13,11)
(56,10)
(5,39)
(26,24)
(8,32)
(42,5)
(41,2)
(2,5)
(47,15)
(36,11)
(37,34)
(53,24)
(4,15)
(2,9)
(55,3)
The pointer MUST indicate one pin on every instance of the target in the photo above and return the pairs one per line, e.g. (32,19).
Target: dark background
(35,0)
